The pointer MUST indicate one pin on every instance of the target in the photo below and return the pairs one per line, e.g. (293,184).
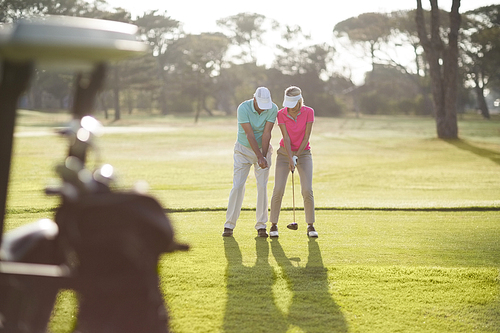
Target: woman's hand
(292,162)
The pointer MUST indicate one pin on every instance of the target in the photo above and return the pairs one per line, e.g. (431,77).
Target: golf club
(293,225)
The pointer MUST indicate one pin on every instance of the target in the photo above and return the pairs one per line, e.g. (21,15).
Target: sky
(316,17)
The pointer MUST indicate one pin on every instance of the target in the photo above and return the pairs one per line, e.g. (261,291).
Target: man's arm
(266,137)
(255,146)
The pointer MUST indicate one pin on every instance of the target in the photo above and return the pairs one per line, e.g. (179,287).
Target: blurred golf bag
(104,244)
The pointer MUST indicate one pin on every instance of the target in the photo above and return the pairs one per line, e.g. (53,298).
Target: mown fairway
(409,225)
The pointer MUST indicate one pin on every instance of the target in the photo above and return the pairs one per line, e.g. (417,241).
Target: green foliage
(391,91)
(196,73)
(482,52)
(373,103)
(365,28)
(245,30)
(11,10)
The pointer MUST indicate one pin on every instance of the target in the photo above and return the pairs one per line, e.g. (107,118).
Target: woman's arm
(305,140)
(288,146)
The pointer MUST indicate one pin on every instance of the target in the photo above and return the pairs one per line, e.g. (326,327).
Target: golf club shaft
(293,197)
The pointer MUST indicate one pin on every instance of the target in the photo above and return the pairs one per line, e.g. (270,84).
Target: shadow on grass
(312,309)
(251,306)
(494,156)
(250,303)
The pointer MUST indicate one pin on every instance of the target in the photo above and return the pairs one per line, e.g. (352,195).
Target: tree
(246,30)
(116,70)
(238,82)
(307,68)
(159,30)
(57,84)
(11,10)
(368,29)
(392,91)
(296,56)
(443,65)
(197,60)
(405,34)
(481,56)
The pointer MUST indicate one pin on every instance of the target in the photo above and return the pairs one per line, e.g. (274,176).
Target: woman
(295,121)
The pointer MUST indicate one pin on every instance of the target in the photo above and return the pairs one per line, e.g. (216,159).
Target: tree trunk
(104,105)
(481,101)
(443,66)
(450,62)
(205,107)
(198,107)
(163,100)
(116,93)
(163,86)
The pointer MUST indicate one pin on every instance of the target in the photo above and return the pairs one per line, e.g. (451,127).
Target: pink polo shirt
(296,128)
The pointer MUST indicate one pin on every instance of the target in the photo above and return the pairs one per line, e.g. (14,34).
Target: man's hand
(263,162)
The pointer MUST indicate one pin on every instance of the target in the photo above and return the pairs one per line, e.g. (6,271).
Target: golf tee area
(408,224)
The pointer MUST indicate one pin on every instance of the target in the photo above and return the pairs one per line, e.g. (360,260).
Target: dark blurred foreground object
(103,244)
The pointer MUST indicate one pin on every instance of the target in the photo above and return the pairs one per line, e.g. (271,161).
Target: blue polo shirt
(248,114)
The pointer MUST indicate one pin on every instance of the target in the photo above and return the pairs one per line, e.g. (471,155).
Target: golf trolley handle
(86,92)
(15,79)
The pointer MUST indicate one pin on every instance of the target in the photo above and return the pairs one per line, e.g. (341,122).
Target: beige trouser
(244,158)
(305,169)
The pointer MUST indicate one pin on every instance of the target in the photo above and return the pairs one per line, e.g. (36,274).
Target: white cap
(291,101)
(263,97)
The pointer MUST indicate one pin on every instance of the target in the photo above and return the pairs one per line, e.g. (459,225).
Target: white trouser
(244,158)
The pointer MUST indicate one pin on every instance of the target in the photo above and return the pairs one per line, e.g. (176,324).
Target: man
(256,119)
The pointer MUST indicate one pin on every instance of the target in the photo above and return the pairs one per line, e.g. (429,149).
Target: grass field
(409,225)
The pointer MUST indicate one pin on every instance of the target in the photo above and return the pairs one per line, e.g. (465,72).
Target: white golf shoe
(311,232)
(273,232)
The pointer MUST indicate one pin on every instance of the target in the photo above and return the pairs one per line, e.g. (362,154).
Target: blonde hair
(295,91)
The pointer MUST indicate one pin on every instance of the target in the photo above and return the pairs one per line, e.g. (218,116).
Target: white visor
(291,101)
